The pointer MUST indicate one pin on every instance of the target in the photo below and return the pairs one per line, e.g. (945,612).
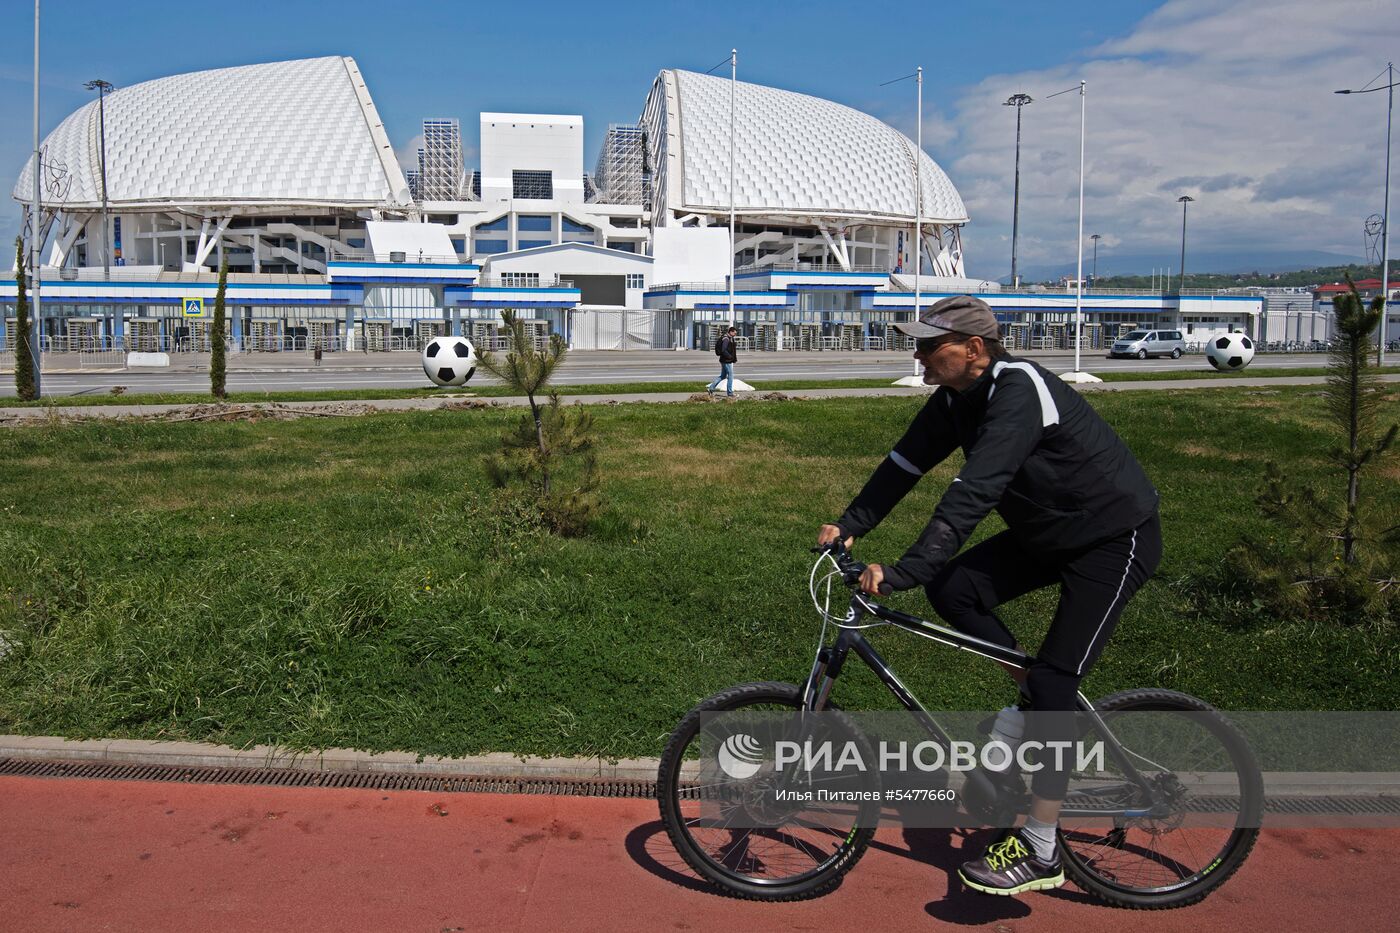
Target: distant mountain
(1222,261)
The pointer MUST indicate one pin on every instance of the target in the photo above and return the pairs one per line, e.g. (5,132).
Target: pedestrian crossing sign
(194,307)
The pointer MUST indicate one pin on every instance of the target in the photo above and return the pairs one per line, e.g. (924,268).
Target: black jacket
(727,350)
(1059,476)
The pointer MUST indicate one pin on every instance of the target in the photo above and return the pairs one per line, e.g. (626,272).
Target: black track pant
(1095,584)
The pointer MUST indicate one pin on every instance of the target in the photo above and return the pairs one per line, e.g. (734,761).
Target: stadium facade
(284,171)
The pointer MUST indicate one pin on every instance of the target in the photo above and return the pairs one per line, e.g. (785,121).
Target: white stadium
(284,171)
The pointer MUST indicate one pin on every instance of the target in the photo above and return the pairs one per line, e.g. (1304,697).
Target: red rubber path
(80,855)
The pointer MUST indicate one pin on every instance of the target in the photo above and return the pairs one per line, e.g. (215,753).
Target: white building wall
(563,261)
(533,142)
(690,254)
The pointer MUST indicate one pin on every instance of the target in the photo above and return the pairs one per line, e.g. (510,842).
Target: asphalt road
(293,371)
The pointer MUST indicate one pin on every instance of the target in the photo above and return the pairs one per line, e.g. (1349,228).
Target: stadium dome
(296,133)
(795,155)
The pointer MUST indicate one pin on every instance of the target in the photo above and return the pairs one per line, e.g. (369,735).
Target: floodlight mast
(1018,101)
(1184,200)
(103,88)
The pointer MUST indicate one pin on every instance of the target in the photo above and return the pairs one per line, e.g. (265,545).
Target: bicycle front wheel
(1203,767)
(799,853)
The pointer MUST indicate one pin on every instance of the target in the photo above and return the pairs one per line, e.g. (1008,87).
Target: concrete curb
(202,755)
(505,765)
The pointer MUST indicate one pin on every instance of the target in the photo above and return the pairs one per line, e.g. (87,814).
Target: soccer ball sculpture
(449,361)
(1230,353)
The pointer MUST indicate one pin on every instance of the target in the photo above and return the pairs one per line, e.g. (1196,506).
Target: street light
(1389,89)
(1078,375)
(733,84)
(918,77)
(36,327)
(1096,237)
(103,88)
(1184,200)
(1018,101)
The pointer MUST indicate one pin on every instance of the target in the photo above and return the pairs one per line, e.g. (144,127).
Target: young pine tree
(217,363)
(1330,556)
(24,359)
(550,450)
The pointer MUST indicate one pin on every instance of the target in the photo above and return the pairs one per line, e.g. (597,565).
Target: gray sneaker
(1011,867)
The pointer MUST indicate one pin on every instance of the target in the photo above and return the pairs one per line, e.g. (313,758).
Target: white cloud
(407,154)
(1229,102)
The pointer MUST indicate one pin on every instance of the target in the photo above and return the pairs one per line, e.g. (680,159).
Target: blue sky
(1151,116)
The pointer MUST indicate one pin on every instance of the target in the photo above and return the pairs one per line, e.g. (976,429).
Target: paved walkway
(152,857)
(429,403)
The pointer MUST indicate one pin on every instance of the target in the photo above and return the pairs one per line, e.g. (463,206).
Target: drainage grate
(555,787)
(1280,803)
(285,777)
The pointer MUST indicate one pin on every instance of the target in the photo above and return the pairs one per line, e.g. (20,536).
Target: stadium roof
(301,133)
(794,155)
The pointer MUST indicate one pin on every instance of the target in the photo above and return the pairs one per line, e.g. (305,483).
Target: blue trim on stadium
(342,264)
(758,272)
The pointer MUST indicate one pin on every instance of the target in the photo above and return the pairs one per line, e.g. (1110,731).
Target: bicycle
(1136,853)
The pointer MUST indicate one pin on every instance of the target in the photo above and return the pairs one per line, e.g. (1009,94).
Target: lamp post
(1096,237)
(36,326)
(1389,89)
(1018,101)
(1184,200)
(103,88)
(1078,375)
(918,184)
(733,83)
(918,77)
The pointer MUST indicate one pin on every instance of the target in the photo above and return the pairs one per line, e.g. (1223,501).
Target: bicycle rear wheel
(1203,765)
(804,855)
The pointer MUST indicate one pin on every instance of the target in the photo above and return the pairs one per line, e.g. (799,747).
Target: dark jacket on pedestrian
(727,349)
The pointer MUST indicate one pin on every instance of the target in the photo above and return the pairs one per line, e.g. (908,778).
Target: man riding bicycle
(1079,511)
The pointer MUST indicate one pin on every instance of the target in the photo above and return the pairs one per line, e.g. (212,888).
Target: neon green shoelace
(1002,854)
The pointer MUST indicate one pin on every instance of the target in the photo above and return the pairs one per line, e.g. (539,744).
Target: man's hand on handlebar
(829,534)
(871,578)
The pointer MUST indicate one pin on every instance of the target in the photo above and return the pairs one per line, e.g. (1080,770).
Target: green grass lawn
(348,582)
(1205,372)
(479,391)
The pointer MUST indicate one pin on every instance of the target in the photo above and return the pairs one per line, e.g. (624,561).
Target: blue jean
(726,370)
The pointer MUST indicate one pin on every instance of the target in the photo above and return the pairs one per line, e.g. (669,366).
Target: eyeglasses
(929,345)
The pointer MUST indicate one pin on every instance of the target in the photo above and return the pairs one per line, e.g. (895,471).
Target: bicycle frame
(831,658)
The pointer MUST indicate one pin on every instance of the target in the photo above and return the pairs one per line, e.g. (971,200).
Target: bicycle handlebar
(850,568)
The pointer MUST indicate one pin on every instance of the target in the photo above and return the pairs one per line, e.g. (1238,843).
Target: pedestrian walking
(727,349)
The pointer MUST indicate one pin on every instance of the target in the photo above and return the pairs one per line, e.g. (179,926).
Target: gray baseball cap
(960,314)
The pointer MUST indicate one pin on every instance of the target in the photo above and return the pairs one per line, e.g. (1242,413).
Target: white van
(1145,343)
